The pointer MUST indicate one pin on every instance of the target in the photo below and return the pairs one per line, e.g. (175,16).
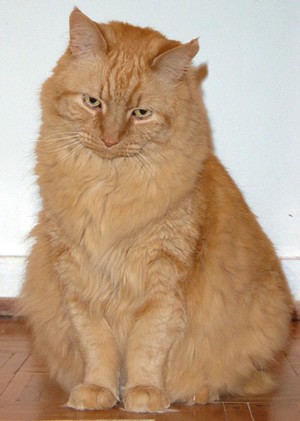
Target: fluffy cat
(150,280)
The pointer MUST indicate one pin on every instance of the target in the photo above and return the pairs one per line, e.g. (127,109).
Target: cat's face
(114,105)
(118,86)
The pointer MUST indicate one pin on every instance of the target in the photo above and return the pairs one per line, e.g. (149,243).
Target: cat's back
(236,247)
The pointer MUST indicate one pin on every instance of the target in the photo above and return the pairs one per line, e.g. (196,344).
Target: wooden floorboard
(8,306)
(27,394)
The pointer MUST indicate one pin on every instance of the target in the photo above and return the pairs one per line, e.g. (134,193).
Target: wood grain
(237,411)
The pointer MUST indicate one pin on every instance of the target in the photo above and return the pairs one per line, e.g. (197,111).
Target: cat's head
(121,89)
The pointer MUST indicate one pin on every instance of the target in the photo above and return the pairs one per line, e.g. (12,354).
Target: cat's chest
(120,273)
(102,218)
(100,213)
(112,225)
(115,283)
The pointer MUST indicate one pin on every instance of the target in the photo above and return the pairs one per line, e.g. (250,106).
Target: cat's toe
(203,396)
(89,396)
(146,399)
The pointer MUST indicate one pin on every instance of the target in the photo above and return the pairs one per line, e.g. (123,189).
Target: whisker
(59,142)
(62,141)
(69,133)
(59,149)
(58,139)
(61,123)
(142,166)
(69,155)
(29,157)
(146,163)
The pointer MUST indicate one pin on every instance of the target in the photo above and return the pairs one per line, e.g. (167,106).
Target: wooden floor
(27,394)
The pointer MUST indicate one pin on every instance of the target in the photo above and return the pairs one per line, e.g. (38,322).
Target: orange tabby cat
(150,279)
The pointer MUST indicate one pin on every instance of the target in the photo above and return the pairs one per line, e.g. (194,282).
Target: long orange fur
(150,280)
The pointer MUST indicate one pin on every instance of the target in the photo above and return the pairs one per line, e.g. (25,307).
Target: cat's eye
(141,113)
(91,101)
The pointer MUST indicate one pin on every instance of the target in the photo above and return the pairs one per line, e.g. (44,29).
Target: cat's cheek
(73,110)
(161,135)
(154,132)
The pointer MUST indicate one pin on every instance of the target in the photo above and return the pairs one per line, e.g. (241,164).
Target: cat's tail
(261,382)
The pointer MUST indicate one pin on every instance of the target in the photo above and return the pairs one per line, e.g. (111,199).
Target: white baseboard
(12,272)
(11,275)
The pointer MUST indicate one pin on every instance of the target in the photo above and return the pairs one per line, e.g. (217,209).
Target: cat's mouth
(112,153)
(118,150)
(115,151)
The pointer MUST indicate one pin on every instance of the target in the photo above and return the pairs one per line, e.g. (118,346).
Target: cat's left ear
(172,64)
(85,35)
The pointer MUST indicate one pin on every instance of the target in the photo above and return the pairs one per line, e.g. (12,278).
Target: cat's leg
(42,304)
(146,359)
(99,389)
(159,323)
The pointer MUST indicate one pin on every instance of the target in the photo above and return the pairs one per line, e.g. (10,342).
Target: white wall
(252,95)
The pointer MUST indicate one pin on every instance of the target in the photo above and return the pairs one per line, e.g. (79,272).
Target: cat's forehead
(118,77)
(122,72)
(131,51)
(125,79)
(134,41)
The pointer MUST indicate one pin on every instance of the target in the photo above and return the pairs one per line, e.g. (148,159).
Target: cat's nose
(111,141)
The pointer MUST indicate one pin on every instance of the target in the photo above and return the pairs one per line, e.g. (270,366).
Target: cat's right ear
(85,36)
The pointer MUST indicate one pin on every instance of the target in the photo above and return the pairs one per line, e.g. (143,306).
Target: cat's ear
(85,36)
(172,64)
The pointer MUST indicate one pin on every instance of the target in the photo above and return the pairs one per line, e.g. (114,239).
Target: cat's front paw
(203,396)
(146,399)
(89,396)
